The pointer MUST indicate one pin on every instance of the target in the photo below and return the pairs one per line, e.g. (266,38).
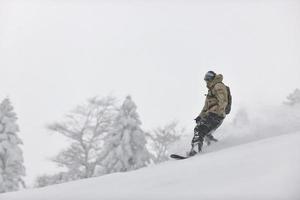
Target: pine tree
(125,147)
(294,98)
(11,156)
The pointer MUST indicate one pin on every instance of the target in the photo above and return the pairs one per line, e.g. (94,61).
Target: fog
(248,126)
(56,54)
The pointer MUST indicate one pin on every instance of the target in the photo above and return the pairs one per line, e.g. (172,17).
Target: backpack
(228,107)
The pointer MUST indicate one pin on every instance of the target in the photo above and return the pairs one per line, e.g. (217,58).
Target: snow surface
(264,169)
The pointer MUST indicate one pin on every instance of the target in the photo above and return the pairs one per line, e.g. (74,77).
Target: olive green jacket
(217,97)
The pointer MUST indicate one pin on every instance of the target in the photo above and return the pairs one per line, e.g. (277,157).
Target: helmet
(210,75)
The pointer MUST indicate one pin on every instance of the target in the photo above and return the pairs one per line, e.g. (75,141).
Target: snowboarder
(217,105)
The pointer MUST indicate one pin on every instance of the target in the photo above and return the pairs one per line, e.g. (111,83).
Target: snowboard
(178,157)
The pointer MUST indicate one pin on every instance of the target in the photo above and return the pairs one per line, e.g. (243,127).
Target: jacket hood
(217,79)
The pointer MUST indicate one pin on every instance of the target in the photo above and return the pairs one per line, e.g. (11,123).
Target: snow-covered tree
(11,157)
(294,98)
(125,146)
(60,177)
(46,180)
(85,127)
(162,138)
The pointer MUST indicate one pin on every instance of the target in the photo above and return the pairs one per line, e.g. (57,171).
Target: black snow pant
(205,126)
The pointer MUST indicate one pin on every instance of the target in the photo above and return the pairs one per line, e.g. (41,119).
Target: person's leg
(209,138)
(205,126)
(216,122)
(200,131)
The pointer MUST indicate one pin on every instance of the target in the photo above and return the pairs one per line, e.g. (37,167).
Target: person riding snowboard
(217,105)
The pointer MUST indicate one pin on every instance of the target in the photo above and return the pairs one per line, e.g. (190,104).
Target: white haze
(250,126)
(55,54)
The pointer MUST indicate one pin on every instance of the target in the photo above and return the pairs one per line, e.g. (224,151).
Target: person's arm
(204,109)
(203,112)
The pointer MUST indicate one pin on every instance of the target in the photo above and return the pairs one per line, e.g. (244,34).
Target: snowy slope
(265,169)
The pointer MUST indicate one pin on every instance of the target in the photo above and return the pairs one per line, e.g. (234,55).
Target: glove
(198,119)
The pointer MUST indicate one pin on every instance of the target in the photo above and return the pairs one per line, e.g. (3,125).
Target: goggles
(209,76)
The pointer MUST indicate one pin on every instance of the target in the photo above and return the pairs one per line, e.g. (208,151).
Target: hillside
(264,169)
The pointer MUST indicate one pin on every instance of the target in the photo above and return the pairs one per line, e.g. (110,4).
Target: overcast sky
(54,54)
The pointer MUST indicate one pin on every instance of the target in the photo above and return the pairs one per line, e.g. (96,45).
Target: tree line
(104,138)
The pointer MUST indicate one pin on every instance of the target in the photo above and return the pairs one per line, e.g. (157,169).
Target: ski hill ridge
(263,169)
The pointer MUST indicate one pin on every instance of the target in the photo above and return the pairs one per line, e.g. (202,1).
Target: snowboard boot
(193,152)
